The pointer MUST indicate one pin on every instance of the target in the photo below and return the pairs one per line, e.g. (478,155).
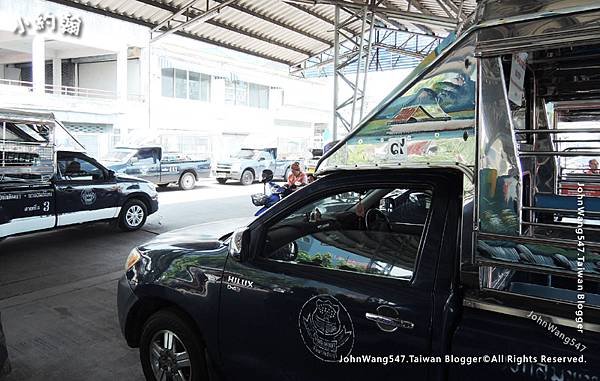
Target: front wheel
(187,181)
(247,177)
(133,215)
(170,349)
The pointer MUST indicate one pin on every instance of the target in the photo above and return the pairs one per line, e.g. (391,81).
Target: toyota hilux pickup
(44,188)
(248,165)
(162,168)
(424,249)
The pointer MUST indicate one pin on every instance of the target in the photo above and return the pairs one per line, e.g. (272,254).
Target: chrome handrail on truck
(27,143)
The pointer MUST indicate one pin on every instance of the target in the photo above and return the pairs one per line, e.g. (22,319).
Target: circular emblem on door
(88,196)
(326,328)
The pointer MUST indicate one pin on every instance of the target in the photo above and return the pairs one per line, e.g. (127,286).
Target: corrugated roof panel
(219,35)
(269,28)
(312,27)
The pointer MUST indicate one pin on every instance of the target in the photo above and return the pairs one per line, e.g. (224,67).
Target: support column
(336,62)
(57,75)
(122,73)
(145,90)
(38,63)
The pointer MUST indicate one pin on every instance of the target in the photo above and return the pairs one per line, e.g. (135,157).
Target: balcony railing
(72,90)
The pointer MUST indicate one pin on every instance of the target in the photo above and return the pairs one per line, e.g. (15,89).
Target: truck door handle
(389,324)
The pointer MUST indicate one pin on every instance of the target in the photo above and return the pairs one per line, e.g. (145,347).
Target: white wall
(98,75)
(103,76)
(133,77)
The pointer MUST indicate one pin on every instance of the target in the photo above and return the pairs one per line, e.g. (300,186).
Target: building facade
(110,86)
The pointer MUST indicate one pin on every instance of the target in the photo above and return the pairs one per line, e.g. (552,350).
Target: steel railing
(72,90)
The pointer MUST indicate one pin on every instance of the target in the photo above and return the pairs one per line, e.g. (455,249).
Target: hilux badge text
(240,282)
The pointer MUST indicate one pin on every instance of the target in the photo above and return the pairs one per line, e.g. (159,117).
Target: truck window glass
(369,231)
(76,168)
(147,156)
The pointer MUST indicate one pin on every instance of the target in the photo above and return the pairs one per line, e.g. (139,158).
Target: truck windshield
(119,154)
(245,154)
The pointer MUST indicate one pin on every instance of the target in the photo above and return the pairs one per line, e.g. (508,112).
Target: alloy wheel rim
(134,215)
(187,181)
(169,358)
(247,177)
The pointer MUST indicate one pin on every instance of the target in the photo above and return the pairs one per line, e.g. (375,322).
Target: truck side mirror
(111,174)
(238,245)
(261,159)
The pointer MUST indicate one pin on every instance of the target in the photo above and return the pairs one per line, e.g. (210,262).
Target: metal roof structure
(286,31)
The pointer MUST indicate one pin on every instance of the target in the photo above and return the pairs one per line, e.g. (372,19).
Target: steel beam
(179,12)
(336,60)
(159,4)
(325,58)
(309,11)
(391,12)
(360,55)
(208,14)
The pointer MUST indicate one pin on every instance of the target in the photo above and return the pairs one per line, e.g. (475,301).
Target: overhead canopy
(285,31)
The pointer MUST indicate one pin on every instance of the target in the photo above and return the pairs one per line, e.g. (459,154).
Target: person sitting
(73,169)
(297,176)
(593,169)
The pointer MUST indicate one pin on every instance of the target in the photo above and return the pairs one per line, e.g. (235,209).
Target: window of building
(246,94)
(185,84)
(194,82)
(371,231)
(259,96)
(167,76)
(181,88)
(241,93)
(199,86)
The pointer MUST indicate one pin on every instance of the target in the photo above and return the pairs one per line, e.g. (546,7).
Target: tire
(163,186)
(187,181)
(133,215)
(221,181)
(154,353)
(286,174)
(247,177)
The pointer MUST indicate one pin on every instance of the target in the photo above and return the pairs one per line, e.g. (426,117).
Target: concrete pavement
(58,289)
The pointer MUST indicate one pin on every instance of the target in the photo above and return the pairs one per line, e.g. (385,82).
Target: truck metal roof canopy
(26,143)
(401,131)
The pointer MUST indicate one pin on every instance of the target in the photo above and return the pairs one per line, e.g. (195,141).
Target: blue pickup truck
(43,188)
(162,168)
